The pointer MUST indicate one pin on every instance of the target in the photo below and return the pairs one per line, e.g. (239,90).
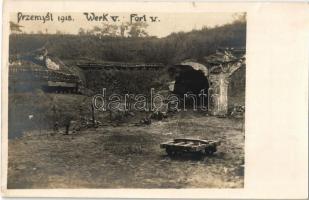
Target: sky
(165,23)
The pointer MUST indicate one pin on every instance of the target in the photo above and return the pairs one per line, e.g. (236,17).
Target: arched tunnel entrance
(191,81)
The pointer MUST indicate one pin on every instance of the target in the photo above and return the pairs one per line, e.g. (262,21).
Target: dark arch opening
(190,81)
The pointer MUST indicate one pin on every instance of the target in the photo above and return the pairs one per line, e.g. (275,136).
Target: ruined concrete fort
(222,74)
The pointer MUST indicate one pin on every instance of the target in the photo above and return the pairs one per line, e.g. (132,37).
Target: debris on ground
(158,115)
(146,121)
(131,153)
(181,146)
(238,111)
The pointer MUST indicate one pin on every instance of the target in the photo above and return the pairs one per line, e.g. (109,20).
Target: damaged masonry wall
(221,66)
(218,94)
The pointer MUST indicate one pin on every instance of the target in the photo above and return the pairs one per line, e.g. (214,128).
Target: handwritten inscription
(43,18)
(89,16)
(143,18)
(103,17)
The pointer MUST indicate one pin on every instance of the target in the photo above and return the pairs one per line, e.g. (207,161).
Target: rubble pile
(238,111)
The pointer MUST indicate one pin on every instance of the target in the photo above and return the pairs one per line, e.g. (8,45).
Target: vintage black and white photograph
(126,100)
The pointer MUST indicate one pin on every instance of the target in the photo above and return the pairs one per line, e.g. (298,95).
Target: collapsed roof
(196,66)
(225,60)
(221,61)
(226,55)
(39,59)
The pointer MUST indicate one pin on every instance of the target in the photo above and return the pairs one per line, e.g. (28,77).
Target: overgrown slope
(173,48)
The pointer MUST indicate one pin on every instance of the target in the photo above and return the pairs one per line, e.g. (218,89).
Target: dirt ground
(129,156)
